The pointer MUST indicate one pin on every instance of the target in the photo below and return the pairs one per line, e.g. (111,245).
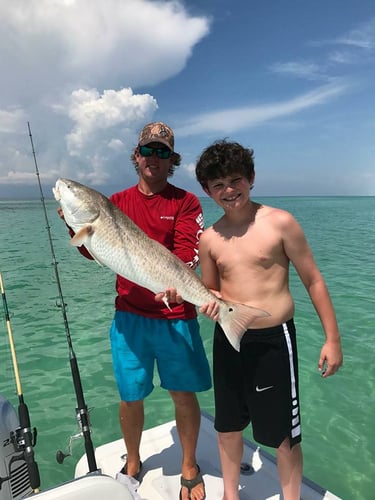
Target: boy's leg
(289,464)
(230,451)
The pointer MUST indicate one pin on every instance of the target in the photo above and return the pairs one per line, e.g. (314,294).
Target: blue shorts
(176,346)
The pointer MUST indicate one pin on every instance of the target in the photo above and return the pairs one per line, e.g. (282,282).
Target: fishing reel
(81,415)
(17,437)
(14,475)
(60,455)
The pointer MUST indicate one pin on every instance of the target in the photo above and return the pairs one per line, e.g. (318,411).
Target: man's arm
(188,228)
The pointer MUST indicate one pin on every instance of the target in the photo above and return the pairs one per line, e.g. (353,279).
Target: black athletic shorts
(259,384)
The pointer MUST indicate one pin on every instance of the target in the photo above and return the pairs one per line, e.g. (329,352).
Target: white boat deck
(161,456)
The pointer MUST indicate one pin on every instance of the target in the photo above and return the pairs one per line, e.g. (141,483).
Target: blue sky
(293,80)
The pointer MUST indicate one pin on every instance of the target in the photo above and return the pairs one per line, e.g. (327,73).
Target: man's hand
(60,213)
(170,296)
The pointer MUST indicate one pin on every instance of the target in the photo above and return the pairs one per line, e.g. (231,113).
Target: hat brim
(160,140)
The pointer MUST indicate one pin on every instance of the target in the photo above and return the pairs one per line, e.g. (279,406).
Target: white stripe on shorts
(295,420)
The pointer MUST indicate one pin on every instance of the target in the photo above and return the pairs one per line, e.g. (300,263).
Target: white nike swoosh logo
(261,389)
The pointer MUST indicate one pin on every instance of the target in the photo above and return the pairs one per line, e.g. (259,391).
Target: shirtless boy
(245,256)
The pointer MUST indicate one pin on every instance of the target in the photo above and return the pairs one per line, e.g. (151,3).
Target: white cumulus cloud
(71,68)
(100,118)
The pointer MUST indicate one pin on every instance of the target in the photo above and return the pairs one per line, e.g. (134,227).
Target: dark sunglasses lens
(145,151)
(162,153)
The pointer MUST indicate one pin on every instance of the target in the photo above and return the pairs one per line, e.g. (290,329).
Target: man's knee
(182,398)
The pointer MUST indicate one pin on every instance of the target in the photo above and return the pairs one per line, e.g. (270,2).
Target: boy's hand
(331,358)
(211,310)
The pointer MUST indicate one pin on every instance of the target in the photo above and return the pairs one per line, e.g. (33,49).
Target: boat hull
(161,457)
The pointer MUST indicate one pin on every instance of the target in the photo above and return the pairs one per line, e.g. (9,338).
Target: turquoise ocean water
(338,421)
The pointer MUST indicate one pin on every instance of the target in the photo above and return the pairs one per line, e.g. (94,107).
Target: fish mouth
(56,192)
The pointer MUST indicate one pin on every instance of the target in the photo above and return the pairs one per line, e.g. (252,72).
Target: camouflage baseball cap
(157,132)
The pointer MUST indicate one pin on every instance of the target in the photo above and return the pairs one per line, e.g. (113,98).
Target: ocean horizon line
(36,198)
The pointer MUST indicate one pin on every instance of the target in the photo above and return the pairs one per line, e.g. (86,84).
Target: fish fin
(165,300)
(95,258)
(81,236)
(235,319)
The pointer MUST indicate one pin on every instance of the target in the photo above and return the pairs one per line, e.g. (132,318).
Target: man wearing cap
(144,330)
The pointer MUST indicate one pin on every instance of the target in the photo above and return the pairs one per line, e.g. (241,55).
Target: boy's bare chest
(257,247)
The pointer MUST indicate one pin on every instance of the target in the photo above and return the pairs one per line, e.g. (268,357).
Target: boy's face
(230,192)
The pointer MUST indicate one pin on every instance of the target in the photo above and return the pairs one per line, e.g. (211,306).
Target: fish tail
(235,319)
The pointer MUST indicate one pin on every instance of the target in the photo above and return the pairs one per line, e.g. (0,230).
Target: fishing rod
(82,410)
(24,438)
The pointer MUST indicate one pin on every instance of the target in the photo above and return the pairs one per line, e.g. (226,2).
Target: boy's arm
(208,267)
(209,276)
(331,357)
(300,254)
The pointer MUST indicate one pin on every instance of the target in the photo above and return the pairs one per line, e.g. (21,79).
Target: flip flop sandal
(191,483)
(136,476)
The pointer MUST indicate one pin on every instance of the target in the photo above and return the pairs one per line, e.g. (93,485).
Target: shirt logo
(199,220)
(261,389)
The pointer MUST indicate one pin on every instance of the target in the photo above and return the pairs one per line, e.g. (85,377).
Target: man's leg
(290,464)
(131,421)
(188,417)
(230,451)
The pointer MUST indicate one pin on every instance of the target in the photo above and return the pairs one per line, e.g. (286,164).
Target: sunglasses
(162,153)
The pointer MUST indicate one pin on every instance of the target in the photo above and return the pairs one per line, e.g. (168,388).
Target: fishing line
(25,439)
(82,411)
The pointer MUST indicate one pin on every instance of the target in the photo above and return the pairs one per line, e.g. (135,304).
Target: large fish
(117,242)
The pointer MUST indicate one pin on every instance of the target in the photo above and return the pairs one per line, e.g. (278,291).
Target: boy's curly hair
(223,159)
